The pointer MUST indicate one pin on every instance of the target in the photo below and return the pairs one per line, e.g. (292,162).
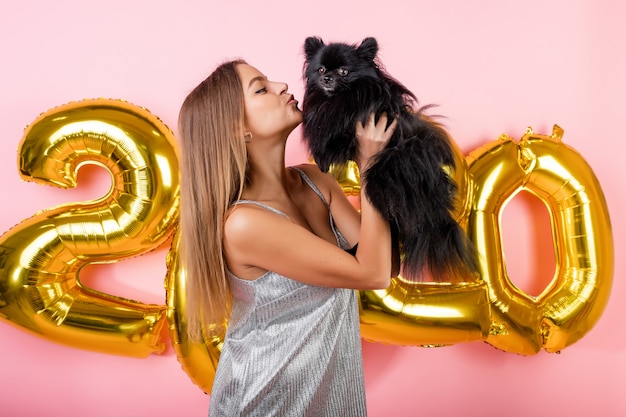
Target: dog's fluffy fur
(407,182)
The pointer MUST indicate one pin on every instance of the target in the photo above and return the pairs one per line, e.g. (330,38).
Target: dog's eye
(343,71)
(321,70)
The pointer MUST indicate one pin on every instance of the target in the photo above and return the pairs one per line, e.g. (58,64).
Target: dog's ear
(311,46)
(368,48)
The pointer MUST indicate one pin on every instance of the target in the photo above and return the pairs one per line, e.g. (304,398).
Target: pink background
(493,67)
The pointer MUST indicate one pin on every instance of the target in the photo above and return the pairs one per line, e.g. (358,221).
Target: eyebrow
(258,78)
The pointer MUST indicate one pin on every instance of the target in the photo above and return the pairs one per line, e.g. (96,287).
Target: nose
(281,88)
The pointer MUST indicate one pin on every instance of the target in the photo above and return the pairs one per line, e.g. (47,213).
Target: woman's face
(269,108)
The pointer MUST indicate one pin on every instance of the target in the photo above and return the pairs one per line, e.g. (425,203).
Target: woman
(264,248)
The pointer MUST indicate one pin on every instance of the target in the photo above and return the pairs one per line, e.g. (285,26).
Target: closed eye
(261,91)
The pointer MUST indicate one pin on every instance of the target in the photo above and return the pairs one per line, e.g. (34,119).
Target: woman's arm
(261,240)
(375,235)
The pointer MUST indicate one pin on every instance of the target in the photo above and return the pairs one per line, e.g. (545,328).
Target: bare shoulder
(257,240)
(249,234)
(245,219)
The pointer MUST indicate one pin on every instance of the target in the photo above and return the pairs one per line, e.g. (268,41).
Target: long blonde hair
(214,163)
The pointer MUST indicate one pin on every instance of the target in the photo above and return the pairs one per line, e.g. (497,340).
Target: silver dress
(291,349)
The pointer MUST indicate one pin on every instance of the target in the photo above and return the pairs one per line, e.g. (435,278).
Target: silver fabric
(291,349)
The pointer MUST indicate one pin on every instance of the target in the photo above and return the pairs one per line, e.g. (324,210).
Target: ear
(368,48)
(311,46)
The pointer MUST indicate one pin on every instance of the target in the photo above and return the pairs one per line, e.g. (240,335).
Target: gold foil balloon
(41,257)
(348,178)
(198,359)
(578,293)
(462,178)
(425,314)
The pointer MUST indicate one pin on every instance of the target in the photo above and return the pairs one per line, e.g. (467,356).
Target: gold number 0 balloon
(578,293)
(40,258)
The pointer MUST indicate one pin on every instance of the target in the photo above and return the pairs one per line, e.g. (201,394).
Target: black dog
(407,182)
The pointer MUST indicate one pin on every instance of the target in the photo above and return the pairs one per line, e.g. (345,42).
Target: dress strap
(256,203)
(311,184)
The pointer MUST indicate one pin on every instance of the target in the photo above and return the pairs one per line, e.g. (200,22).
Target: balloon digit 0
(576,297)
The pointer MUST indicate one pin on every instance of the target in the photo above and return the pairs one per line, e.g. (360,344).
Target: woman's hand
(372,138)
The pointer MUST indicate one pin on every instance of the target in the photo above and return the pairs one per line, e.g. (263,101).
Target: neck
(267,176)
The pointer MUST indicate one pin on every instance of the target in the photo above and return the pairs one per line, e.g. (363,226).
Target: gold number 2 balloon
(41,257)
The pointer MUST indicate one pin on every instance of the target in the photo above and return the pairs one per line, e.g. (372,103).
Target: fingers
(369,124)
(371,119)
(391,128)
(377,131)
(372,137)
